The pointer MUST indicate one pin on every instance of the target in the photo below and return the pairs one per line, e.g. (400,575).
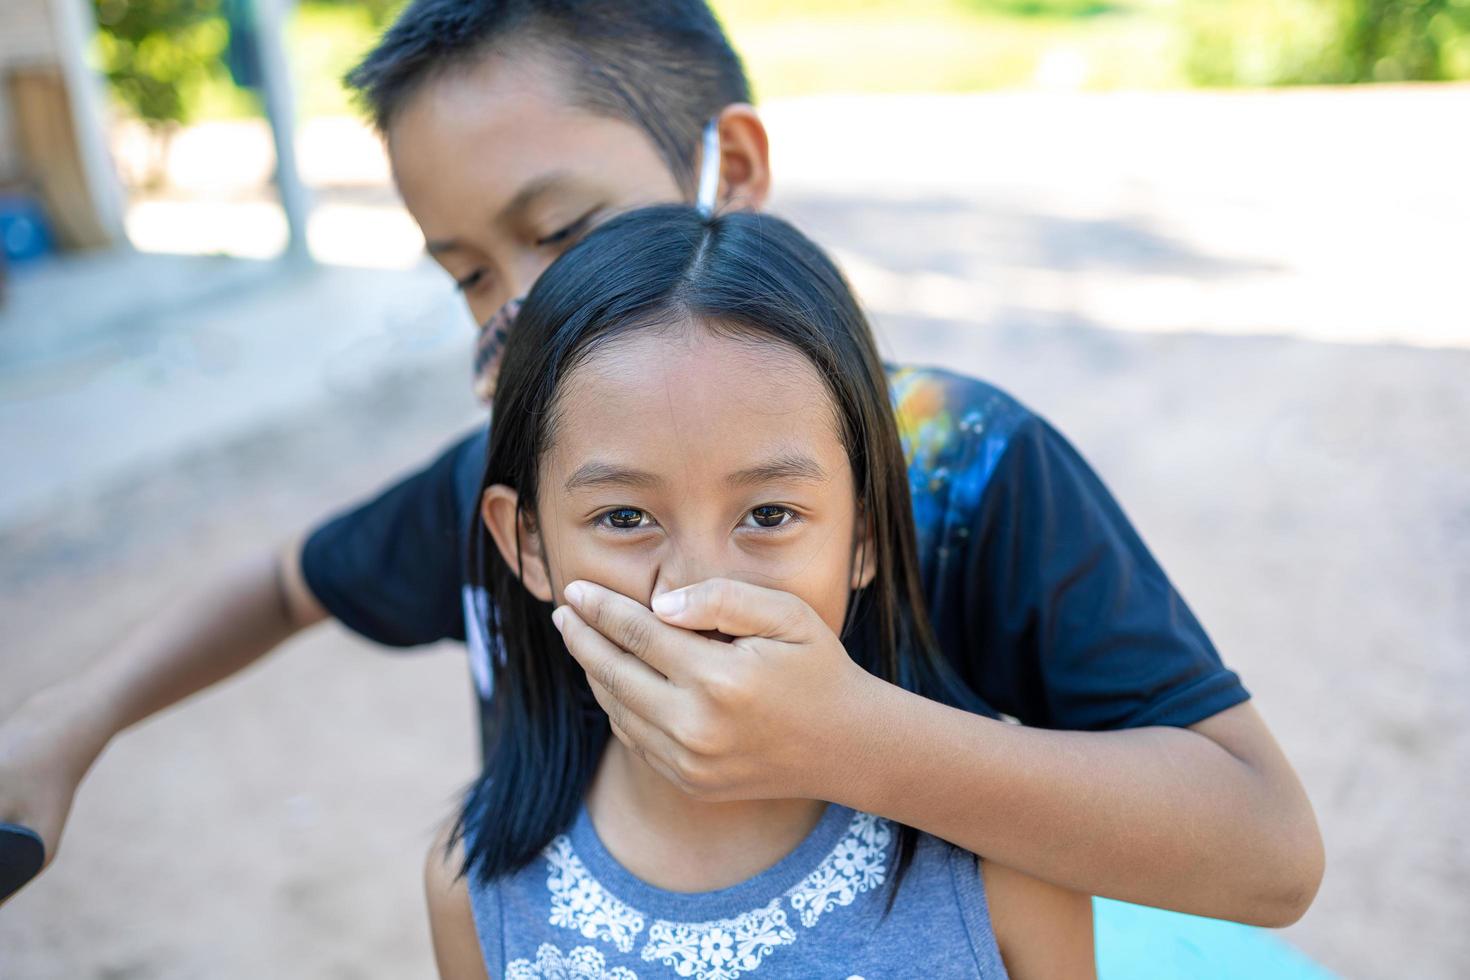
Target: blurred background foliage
(158,54)
(166,59)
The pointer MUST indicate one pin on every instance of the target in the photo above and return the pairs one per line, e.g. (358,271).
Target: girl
(687,399)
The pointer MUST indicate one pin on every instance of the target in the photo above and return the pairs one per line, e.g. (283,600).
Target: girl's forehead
(695,402)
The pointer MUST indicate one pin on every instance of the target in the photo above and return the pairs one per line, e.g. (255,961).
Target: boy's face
(503,173)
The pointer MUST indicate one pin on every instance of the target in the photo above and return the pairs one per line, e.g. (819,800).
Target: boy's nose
(526,271)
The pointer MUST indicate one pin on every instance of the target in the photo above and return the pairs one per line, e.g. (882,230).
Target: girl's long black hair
(742,272)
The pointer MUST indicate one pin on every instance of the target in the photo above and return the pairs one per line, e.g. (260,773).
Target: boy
(514,125)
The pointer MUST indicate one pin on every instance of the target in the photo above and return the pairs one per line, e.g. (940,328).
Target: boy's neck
(673,841)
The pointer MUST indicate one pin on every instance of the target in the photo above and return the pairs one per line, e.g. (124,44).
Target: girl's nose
(683,569)
(662,585)
(676,574)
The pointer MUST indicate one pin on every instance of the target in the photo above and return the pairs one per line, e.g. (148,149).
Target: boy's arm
(388,568)
(225,627)
(1209,820)
(50,741)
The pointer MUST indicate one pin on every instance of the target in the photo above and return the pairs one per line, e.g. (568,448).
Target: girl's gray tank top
(575,913)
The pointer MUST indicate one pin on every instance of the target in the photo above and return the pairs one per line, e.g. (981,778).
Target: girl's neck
(676,842)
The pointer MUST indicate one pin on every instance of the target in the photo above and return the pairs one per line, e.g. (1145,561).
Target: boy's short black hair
(663,65)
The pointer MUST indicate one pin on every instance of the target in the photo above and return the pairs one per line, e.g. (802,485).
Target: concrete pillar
(275,89)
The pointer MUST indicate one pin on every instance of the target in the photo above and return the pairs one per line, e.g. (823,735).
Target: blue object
(242,55)
(24,234)
(1138,943)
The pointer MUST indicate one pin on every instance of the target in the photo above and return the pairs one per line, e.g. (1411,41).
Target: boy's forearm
(1159,816)
(203,638)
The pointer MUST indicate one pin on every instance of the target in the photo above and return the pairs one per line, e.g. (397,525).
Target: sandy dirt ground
(1311,500)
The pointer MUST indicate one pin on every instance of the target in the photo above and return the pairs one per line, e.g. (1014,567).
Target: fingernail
(670,603)
(558,616)
(576,593)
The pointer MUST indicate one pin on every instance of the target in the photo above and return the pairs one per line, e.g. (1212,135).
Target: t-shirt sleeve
(391,568)
(1072,620)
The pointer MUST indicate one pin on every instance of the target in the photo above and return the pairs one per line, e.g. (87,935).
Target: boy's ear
(517,539)
(745,159)
(864,553)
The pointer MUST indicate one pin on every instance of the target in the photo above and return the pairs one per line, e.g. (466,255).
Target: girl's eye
(770,515)
(571,231)
(626,518)
(470,281)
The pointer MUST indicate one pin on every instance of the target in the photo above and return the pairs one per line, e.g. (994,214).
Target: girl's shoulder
(451,919)
(1043,930)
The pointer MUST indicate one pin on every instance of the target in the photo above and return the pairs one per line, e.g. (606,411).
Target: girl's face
(681,455)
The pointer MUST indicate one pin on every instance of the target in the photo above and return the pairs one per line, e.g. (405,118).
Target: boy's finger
(643,739)
(737,609)
(624,677)
(633,627)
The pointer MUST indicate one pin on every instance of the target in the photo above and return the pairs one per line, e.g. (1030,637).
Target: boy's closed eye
(560,237)
(472,281)
(567,234)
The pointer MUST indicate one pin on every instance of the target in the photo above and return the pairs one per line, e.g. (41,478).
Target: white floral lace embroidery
(856,864)
(722,949)
(582,963)
(579,902)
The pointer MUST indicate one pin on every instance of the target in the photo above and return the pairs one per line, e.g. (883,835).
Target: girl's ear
(517,539)
(864,552)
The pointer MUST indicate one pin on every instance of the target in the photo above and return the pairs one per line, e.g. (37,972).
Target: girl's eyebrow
(600,474)
(789,467)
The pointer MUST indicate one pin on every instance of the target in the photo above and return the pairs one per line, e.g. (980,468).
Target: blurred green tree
(1286,42)
(1043,9)
(380,12)
(155,52)
(1403,40)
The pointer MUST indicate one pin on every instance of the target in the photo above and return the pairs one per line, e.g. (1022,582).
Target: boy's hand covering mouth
(730,690)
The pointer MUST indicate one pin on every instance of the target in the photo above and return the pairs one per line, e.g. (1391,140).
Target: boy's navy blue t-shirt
(1040,591)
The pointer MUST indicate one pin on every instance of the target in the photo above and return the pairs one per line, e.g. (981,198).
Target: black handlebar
(22,853)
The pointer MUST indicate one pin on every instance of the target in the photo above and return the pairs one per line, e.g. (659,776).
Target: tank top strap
(485,909)
(969,889)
